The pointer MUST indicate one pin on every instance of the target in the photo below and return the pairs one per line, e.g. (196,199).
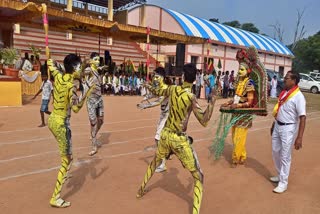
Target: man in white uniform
(288,128)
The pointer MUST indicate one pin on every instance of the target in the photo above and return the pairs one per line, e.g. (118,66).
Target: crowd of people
(223,82)
(122,83)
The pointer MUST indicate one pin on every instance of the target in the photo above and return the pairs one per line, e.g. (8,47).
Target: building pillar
(69,6)
(16,28)
(110,10)
(69,9)
(224,59)
(143,16)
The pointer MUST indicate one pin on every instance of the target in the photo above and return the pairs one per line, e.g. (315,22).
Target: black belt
(284,124)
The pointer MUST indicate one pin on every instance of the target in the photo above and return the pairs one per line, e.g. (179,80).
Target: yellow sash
(282,100)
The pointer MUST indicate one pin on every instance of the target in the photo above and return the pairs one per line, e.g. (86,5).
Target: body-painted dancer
(94,101)
(65,100)
(158,81)
(173,137)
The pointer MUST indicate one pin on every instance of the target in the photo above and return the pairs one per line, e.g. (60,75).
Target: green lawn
(313,101)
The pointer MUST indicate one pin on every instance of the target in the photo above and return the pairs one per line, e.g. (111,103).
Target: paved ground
(107,183)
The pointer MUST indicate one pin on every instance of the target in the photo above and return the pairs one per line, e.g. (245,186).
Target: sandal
(59,203)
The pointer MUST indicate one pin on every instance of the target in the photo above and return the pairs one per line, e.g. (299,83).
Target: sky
(262,13)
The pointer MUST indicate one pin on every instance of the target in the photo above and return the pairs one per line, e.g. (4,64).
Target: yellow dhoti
(239,137)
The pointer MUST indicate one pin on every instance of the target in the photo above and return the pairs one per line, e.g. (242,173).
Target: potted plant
(9,56)
(36,52)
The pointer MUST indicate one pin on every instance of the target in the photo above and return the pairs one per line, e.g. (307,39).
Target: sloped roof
(202,28)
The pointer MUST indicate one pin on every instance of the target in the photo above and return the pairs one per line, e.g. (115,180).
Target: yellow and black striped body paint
(65,100)
(174,139)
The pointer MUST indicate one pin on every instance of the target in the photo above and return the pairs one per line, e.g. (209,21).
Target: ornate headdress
(250,58)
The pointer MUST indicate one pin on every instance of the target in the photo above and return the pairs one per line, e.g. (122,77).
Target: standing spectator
(225,85)
(46,89)
(138,85)
(135,82)
(130,84)
(206,85)
(211,83)
(218,83)
(198,84)
(231,84)
(288,112)
(274,85)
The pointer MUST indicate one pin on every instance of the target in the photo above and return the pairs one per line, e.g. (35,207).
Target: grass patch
(313,101)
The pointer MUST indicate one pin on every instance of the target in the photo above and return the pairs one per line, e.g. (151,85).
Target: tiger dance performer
(174,138)
(65,100)
(94,101)
(158,81)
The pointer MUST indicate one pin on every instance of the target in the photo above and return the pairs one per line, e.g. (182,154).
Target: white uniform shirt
(292,109)
(46,89)
(138,83)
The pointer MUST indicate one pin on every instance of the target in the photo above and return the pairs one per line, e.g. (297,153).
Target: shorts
(95,109)
(60,128)
(44,105)
(171,142)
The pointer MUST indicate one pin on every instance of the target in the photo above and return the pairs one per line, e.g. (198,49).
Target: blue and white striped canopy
(198,27)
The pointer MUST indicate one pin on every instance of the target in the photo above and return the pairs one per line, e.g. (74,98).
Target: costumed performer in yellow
(65,100)
(174,138)
(244,98)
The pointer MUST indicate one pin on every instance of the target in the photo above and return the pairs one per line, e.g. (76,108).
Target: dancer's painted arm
(202,116)
(53,69)
(157,102)
(76,102)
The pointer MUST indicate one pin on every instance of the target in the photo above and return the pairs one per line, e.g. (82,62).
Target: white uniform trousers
(283,138)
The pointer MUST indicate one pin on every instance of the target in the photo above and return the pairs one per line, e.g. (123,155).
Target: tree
(300,31)
(214,20)
(307,54)
(278,31)
(250,27)
(245,26)
(234,23)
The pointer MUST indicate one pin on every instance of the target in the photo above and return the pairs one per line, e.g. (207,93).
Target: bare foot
(141,193)
(42,125)
(93,152)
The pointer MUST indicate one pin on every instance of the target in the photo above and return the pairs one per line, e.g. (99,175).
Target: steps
(81,43)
